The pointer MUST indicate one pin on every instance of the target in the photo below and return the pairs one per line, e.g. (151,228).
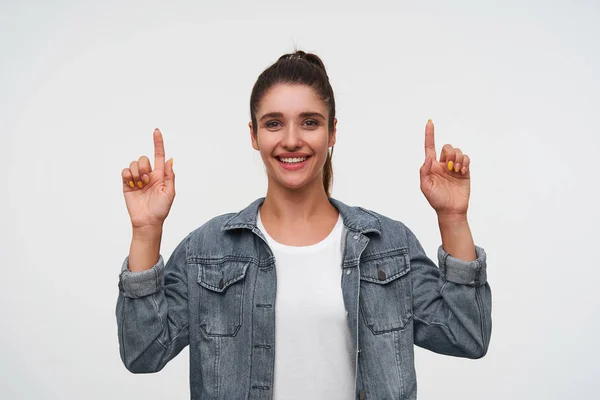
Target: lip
(294,166)
(293,155)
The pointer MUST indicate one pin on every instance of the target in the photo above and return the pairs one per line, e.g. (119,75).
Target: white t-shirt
(313,345)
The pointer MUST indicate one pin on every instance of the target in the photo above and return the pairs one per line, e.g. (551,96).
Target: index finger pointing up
(429,141)
(159,150)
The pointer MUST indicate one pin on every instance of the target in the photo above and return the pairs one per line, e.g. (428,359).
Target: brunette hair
(298,68)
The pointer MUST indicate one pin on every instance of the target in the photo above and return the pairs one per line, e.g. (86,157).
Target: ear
(253,137)
(332,134)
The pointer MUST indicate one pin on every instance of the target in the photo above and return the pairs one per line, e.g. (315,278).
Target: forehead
(290,99)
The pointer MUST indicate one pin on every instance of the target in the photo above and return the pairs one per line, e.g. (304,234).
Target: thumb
(169,173)
(426,167)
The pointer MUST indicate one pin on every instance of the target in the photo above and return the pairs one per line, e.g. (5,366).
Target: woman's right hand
(149,194)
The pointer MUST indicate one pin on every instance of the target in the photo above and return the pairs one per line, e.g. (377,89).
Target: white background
(514,84)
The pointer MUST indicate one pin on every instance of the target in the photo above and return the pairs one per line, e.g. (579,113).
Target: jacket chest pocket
(221,296)
(386,292)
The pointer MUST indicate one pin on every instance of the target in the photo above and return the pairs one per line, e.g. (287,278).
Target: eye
(312,122)
(272,124)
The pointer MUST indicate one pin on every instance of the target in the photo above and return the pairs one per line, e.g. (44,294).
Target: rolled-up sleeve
(152,312)
(142,283)
(452,304)
(463,272)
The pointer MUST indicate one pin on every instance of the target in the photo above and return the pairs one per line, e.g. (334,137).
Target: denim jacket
(217,293)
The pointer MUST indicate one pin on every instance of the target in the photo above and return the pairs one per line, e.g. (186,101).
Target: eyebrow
(306,114)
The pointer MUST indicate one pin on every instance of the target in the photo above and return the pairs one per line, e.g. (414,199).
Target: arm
(152,309)
(452,303)
(456,236)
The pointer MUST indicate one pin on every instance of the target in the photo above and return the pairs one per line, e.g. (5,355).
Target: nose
(291,139)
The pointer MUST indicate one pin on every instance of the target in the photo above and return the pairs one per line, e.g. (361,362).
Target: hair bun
(310,57)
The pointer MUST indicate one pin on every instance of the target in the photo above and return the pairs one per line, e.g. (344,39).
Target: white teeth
(293,160)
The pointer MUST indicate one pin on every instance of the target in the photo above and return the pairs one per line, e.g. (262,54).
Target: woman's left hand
(446,183)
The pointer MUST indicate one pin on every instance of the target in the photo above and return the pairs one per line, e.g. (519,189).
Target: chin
(296,184)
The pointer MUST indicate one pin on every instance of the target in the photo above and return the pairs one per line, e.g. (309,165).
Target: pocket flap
(386,267)
(219,275)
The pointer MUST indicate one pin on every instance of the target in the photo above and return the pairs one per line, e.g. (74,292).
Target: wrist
(147,232)
(450,218)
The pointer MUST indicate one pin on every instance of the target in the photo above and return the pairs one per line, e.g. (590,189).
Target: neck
(293,206)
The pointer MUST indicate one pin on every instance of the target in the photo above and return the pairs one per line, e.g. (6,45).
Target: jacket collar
(355,218)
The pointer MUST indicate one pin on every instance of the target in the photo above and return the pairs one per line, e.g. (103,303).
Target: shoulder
(225,231)
(210,228)
(388,224)
(363,216)
(205,239)
(380,227)
(394,235)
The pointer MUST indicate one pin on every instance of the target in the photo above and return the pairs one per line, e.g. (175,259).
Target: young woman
(299,295)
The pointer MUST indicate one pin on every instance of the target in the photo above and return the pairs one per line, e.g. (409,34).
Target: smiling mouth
(293,163)
(292,160)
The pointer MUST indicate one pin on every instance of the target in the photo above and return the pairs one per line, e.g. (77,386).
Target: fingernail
(146,178)
(140,184)
(428,121)
(457,168)
(131,184)
(450,164)
(171,161)
(464,169)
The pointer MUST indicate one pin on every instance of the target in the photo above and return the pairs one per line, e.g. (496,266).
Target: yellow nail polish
(450,165)
(131,184)
(171,162)
(140,184)
(428,121)
(147,179)
(456,169)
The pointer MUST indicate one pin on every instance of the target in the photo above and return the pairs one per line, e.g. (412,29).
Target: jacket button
(362,395)
(381,275)
(221,283)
